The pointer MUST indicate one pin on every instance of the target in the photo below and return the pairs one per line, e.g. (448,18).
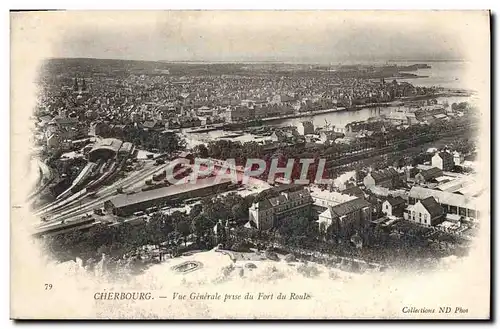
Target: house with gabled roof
(452,203)
(292,200)
(345,219)
(443,161)
(394,206)
(389,178)
(428,175)
(427,212)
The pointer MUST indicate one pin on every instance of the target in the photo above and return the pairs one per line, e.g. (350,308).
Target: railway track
(75,210)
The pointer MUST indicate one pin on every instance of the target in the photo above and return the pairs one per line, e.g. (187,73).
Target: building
(282,99)
(329,136)
(426,212)
(428,175)
(354,191)
(99,129)
(389,178)
(53,141)
(452,203)
(66,128)
(106,148)
(125,205)
(284,135)
(345,219)
(135,117)
(402,118)
(394,206)
(443,161)
(152,125)
(126,150)
(471,190)
(458,158)
(455,185)
(364,127)
(322,199)
(339,129)
(291,201)
(237,114)
(305,128)
(64,122)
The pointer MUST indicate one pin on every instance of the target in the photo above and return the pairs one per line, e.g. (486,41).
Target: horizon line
(262,61)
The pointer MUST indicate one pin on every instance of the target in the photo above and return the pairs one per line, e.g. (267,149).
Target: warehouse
(126,149)
(125,205)
(452,203)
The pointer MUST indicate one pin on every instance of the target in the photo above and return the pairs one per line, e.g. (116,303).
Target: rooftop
(125,200)
(345,208)
(431,173)
(336,197)
(447,198)
(288,193)
(395,201)
(384,174)
(443,155)
(112,144)
(354,191)
(455,184)
(431,205)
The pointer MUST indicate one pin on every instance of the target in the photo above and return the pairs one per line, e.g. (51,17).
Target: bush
(226,270)
(308,271)
(240,246)
(250,265)
(271,256)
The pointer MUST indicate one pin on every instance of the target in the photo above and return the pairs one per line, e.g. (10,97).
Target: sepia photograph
(204,164)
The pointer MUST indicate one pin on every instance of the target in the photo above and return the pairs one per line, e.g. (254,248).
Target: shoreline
(449,93)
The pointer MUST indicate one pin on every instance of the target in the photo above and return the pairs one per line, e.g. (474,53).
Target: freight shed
(125,205)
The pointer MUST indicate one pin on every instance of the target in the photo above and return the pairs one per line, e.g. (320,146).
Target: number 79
(48,286)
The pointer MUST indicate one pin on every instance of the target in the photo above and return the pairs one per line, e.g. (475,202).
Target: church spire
(75,84)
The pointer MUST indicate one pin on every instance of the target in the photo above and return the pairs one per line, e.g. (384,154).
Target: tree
(183,228)
(201,226)
(158,229)
(201,151)
(237,211)
(298,228)
(196,210)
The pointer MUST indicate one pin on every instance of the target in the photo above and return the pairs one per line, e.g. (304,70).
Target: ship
(204,129)
(232,135)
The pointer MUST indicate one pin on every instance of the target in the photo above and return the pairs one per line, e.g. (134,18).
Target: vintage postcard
(250,165)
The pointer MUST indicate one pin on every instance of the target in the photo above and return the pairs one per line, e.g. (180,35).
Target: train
(65,227)
(112,169)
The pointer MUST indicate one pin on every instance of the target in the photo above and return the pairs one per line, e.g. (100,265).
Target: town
(396,163)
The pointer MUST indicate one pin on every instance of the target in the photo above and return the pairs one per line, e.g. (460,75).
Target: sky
(293,36)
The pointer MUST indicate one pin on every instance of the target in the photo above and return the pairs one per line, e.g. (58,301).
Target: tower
(75,84)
